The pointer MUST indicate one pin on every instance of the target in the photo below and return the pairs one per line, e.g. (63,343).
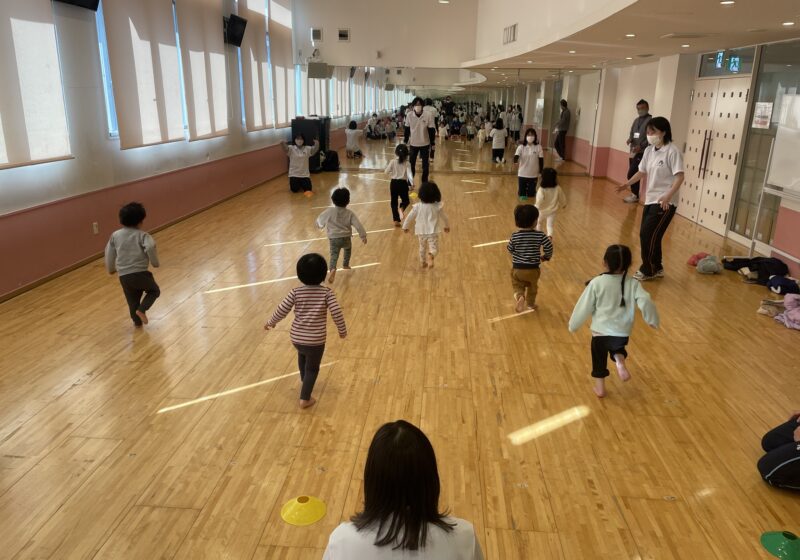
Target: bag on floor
(709,265)
(331,162)
(783,285)
(696,258)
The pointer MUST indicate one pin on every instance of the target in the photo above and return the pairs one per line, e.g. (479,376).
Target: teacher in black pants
(662,164)
(416,136)
(637,141)
(780,467)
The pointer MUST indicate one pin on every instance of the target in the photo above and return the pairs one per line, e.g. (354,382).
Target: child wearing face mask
(417,137)
(530,158)
(299,153)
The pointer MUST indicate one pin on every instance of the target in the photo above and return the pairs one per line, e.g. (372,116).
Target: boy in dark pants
(129,253)
(311,303)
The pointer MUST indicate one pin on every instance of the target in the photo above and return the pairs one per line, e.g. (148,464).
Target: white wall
(634,83)
(420,33)
(538,23)
(585,108)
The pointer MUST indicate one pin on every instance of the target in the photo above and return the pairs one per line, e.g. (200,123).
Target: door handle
(702,154)
(708,155)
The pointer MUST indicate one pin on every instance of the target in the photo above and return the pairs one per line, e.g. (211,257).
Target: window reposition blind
(33,120)
(258,101)
(204,77)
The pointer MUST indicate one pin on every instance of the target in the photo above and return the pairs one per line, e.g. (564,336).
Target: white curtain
(143,56)
(341,92)
(258,99)
(359,107)
(280,39)
(204,76)
(317,95)
(33,120)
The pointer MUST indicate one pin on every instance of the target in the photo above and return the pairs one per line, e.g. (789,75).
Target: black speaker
(314,129)
(233,29)
(352,71)
(88,4)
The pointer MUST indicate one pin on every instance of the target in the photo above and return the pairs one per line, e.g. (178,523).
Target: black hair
(643,102)
(525,215)
(429,192)
(401,151)
(563,102)
(132,214)
(300,135)
(549,178)
(341,197)
(662,125)
(417,99)
(401,488)
(429,101)
(498,124)
(618,259)
(535,137)
(352,125)
(312,269)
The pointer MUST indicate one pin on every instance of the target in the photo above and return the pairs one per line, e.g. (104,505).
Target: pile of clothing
(790,317)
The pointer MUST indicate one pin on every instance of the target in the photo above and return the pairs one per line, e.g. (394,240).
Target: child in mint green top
(610,300)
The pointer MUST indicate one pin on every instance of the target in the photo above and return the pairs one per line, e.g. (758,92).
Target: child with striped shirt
(311,303)
(526,246)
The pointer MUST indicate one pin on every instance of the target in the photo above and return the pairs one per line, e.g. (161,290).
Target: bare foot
(309,403)
(137,326)
(143,316)
(533,307)
(430,260)
(397,224)
(423,264)
(599,388)
(623,372)
(520,303)
(331,277)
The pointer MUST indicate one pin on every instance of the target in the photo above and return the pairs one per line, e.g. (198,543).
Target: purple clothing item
(790,317)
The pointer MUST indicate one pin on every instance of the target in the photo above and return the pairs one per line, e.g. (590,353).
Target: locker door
(723,153)
(701,120)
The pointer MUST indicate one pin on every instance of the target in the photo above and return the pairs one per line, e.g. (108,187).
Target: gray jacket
(130,250)
(639,125)
(563,120)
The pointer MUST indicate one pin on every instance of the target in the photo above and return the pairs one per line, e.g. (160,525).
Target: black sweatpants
(526,186)
(133,286)
(432,138)
(561,144)
(398,189)
(498,153)
(781,465)
(633,168)
(655,221)
(603,347)
(424,151)
(308,360)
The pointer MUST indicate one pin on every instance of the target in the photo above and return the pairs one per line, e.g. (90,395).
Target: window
(180,71)
(108,90)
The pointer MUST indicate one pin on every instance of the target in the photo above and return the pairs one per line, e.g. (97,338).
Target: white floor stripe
(490,243)
(264,282)
(471,181)
(504,317)
(321,238)
(352,204)
(482,217)
(473,192)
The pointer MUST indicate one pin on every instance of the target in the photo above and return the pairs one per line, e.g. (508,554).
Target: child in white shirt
(299,153)
(353,135)
(609,300)
(498,136)
(431,220)
(549,199)
(443,130)
(530,158)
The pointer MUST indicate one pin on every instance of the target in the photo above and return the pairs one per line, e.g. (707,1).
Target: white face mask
(298,143)
(654,140)
(529,139)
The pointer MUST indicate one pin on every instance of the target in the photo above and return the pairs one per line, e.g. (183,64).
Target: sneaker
(641,277)
(660,273)
(631,198)
(503,160)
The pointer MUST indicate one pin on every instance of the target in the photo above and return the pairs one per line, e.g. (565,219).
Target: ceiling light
(728,2)
(573,52)
(628,58)
(570,71)
(788,23)
(630,35)
(530,62)
(444,1)
(685,46)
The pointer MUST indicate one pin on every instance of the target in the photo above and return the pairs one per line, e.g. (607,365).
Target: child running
(128,253)
(399,171)
(498,136)
(526,246)
(530,158)
(609,300)
(549,199)
(339,223)
(299,153)
(443,130)
(311,302)
(431,220)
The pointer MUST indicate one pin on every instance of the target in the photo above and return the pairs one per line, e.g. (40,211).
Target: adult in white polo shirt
(417,137)
(662,164)
(401,519)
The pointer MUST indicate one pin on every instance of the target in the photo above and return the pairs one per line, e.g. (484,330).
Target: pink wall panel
(41,241)
(579,150)
(787,237)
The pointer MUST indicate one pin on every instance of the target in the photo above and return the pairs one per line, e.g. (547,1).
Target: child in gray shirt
(339,223)
(129,253)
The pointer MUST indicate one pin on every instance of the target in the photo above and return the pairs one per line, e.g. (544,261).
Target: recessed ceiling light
(530,62)
(444,1)
(570,71)
(628,58)
(573,52)
(630,35)
(685,46)
(788,23)
(728,2)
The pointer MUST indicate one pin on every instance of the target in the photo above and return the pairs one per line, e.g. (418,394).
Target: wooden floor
(91,466)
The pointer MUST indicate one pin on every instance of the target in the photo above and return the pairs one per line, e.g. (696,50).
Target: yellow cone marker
(303,510)
(412,195)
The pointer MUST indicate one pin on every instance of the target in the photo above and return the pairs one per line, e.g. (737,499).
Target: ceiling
(661,28)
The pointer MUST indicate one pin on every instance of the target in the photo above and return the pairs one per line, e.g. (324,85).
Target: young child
(391,129)
(399,171)
(431,220)
(128,253)
(526,246)
(498,136)
(609,300)
(470,136)
(339,223)
(443,130)
(311,302)
(549,199)
(481,135)
(299,153)
(352,144)
(530,158)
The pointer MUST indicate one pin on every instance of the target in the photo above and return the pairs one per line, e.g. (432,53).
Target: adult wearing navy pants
(416,136)
(780,466)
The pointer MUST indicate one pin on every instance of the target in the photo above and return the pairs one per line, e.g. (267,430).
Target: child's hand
(447,230)
(268,327)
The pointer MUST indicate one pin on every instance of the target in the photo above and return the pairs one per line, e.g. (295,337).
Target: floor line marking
(321,238)
(273,281)
(351,204)
(472,181)
(473,192)
(482,217)
(490,243)
(504,317)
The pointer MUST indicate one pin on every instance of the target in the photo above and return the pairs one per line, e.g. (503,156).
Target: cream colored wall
(634,83)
